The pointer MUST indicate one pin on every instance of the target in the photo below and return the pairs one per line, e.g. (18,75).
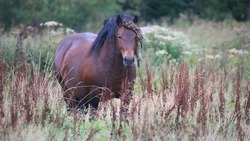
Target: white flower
(213,57)
(51,24)
(56,32)
(188,52)
(56,28)
(69,30)
(164,35)
(210,57)
(217,56)
(237,52)
(161,52)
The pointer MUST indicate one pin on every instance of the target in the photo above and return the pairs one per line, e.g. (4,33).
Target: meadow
(193,84)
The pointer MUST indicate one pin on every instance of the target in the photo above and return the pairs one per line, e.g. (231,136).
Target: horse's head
(127,38)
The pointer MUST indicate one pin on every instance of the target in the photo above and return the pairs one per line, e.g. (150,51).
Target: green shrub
(7,48)
(37,49)
(162,44)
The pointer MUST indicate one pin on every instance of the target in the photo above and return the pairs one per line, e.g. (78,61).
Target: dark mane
(107,33)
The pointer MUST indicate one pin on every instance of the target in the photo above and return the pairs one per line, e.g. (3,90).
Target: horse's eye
(119,37)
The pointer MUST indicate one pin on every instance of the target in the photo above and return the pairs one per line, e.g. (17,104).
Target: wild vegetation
(202,95)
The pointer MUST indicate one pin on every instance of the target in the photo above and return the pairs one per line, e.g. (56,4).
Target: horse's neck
(111,58)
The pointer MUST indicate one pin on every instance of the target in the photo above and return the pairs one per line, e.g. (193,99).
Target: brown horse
(86,63)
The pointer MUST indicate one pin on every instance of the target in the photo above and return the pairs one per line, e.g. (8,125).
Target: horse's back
(71,44)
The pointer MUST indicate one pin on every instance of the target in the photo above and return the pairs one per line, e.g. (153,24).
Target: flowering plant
(164,44)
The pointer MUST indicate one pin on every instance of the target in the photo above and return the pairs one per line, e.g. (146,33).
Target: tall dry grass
(198,104)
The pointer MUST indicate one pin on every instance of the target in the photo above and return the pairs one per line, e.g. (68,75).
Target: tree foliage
(211,9)
(84,14)
(77,14)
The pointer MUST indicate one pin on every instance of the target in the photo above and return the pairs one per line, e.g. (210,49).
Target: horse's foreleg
(68,96)
(130,82)
(70,100)
(130,89)
(125,102)
(126,97)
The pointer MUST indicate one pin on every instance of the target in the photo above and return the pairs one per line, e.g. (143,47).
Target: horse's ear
(119,20)
(135,20)
(105,21)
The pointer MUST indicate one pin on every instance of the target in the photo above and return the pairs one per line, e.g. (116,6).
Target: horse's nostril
(133,59)
(128,61)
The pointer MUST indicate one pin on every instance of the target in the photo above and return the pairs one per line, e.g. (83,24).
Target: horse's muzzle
(128,61)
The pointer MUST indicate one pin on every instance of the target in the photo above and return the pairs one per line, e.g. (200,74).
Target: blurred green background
(83,14)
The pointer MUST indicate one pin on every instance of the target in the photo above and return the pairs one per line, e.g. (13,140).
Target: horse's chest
(111,79)
(103,76)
